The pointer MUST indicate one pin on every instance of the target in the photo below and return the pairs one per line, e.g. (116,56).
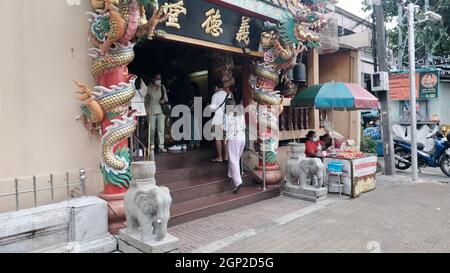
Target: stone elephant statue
(147,206)
(300,171)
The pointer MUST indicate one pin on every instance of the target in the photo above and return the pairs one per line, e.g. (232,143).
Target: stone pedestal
(131,243)
(307,193)
(76,226)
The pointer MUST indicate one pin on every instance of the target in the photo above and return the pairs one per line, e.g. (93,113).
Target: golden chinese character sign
(204,21)
(213,23)
(243,34)
(174,10)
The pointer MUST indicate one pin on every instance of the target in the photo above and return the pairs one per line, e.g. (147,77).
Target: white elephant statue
(300,171)
(147,206)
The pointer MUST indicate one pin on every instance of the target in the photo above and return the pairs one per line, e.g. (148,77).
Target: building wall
(44,47)
(437,106)
(343,66)
(440,105)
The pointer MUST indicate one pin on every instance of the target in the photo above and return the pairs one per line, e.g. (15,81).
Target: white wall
(44,47)
(440,105)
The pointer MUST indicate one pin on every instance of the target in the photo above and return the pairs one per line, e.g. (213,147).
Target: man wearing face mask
(156,96)
(312,144)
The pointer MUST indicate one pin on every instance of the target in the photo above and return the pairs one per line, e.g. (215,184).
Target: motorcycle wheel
(403,154)
(445,165)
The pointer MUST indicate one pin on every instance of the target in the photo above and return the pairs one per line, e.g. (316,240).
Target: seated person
(327,141)
(312,144)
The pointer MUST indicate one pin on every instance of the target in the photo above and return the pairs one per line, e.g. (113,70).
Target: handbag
(226,99)
(166,107)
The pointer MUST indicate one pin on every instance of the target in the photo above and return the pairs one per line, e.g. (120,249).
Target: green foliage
(435,35)
(368,145)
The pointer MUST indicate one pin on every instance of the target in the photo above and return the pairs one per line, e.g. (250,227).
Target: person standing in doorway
(194,92)
(180,97)
(156,96)
(218,107)
(234,126)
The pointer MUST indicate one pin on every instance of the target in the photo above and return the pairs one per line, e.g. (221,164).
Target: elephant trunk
(160,229)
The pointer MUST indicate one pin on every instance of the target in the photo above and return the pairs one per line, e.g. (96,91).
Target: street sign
(429,85)
(399,86)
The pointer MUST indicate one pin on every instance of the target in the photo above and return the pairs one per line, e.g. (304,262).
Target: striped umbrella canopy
(336,95)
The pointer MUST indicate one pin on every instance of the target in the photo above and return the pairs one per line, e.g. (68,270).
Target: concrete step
(185,190)
(205,206)
(200,170)
(200,188)
(189,159)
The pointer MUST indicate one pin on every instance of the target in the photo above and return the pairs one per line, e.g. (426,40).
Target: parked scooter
(439,156)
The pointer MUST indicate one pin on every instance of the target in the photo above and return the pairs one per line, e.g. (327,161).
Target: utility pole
(389,168)
(400,34)
(412,84)
(427,45)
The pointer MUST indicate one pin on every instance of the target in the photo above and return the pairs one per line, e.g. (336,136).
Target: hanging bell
(299,72)
(290,74)
(268,26)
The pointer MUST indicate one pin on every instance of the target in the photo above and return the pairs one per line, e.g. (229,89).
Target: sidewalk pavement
(428,174)
(399,216)
(201,232)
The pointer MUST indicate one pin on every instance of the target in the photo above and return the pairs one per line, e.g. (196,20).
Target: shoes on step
(237,189)
(175,148)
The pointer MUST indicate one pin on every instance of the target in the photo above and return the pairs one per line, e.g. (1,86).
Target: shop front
(196,43)
(132,40)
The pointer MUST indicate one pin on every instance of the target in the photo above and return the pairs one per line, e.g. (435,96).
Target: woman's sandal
(216,161)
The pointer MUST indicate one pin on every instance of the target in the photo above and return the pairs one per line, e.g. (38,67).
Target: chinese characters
(213,23)
(243,34)
(173,10)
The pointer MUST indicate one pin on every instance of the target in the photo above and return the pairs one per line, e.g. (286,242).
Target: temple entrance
(187,72)
(198,186)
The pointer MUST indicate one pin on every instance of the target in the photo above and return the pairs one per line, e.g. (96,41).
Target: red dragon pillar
(114,25)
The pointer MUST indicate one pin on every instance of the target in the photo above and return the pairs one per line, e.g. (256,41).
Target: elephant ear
(145,202)
(304,166)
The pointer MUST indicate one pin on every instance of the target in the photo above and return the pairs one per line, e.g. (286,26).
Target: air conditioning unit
(380,81)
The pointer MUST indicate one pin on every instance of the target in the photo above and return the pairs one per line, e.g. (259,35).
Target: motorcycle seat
(420,146)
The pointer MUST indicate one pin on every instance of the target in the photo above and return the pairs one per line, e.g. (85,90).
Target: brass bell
(290,75)
(268,26)
(299,72)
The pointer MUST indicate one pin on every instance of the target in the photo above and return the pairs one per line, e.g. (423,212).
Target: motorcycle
(438,156)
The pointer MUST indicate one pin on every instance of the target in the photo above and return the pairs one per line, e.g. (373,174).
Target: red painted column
(112,194)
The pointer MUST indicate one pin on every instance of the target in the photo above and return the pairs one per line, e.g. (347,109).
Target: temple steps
(200,188)
(202,207)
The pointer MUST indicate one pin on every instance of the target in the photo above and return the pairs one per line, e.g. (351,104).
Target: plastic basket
(335,167)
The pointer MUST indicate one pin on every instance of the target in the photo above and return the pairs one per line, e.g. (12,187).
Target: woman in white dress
(234,126)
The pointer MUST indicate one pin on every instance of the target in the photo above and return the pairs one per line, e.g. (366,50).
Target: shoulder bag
(166,107)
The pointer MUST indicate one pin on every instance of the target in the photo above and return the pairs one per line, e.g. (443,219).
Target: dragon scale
(119,131)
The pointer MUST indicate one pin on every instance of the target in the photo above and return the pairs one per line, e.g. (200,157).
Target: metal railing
(140,145)
(262,158)
(35,190)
